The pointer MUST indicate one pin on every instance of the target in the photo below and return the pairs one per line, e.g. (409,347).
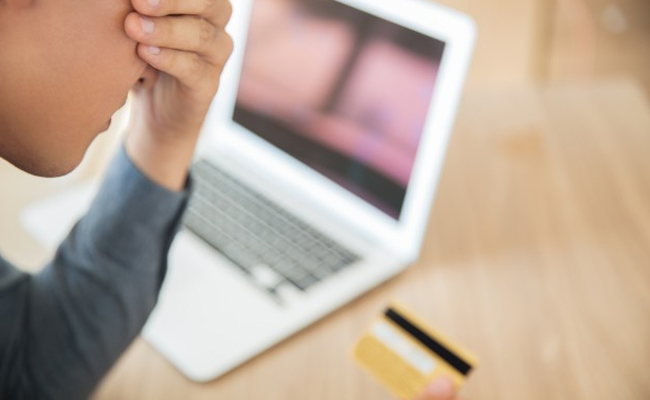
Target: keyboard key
(304,282)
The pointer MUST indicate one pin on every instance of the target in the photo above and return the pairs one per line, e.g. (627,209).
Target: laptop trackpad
(207,309)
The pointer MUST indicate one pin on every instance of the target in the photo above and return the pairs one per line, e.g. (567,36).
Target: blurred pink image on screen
(340,90)
(381,124)
(292,59)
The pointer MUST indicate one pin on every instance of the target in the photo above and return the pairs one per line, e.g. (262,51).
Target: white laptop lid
(350,101)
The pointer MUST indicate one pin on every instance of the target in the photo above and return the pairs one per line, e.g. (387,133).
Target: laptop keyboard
(264,240)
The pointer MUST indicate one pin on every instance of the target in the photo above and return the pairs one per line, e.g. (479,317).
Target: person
(66,67)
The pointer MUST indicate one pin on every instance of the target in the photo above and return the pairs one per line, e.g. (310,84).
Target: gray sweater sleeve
(62,329)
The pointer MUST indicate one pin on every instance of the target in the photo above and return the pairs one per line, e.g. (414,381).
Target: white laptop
(316,174)
(316,171)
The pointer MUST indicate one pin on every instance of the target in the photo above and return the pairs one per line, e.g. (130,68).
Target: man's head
(65,67)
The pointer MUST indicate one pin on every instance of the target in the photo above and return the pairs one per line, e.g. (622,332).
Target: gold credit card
(405,354)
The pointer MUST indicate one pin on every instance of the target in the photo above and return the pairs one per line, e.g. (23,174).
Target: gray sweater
(62,329)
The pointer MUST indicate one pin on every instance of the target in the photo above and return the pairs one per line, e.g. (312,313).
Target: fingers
(217,12)
(188,67)
(187,33)
(183,38)
(440,389)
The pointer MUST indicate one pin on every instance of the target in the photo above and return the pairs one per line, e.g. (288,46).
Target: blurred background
(520,43)
(537,41)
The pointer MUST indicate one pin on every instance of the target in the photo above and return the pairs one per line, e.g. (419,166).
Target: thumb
(440,389)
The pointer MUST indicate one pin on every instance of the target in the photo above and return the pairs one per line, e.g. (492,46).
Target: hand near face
(185,43)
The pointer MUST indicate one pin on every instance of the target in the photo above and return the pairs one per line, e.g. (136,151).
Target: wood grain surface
(537,259)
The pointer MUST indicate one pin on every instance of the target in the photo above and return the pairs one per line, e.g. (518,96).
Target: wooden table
(537,259)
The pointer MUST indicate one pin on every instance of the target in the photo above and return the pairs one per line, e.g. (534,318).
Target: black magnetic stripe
(429,342)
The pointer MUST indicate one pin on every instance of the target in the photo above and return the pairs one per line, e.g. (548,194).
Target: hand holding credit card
(406,355)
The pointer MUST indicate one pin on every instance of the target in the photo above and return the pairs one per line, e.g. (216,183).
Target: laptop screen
(342,91)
